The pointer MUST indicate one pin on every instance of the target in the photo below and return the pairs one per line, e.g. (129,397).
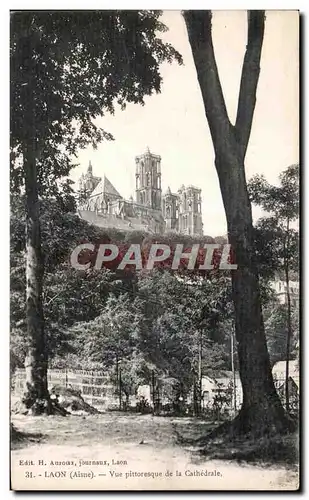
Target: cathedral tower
(170,210)
(87,183)
(190,214)
(148,180)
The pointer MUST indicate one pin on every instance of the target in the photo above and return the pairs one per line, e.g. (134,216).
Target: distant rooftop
(105,186)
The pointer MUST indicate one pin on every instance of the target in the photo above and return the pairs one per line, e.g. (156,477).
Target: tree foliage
(276,240)
(77,66)
(276,328)
(67,69)
(282,204)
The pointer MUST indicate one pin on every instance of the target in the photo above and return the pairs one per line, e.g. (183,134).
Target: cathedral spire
(89,169)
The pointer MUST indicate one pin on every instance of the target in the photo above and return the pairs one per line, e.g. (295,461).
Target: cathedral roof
(105,186)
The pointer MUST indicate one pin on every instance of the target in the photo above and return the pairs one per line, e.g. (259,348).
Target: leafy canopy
(70,67)
(276,234)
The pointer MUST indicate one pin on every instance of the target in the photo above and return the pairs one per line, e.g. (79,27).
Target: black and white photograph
(154,250)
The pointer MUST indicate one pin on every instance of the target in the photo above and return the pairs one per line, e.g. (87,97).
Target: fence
(94,386)
(96,389)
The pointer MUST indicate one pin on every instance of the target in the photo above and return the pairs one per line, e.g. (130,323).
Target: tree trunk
(199,371)
(153,390)
(233,373)
(120,390)
(36,396)
(261,410)
(195,398)
(289,332)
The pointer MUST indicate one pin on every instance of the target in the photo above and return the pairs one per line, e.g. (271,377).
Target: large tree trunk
(36,396)
(261,410)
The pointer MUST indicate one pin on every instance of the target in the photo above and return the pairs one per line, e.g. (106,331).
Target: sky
(173,123)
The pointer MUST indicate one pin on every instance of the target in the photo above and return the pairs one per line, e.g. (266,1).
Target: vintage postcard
(154,181)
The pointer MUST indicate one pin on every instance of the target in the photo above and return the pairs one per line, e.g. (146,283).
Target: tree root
(252,441)
(247,426)
(238,436)
(39,407)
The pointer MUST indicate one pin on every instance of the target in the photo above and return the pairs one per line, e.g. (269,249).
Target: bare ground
(144,444)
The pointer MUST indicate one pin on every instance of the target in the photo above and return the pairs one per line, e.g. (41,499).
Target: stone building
(101,204)
(280,287)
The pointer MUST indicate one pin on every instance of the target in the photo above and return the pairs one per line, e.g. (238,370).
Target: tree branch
(249,79)
(199,31)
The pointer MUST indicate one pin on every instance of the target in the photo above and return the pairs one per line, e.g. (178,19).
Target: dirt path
(115,451)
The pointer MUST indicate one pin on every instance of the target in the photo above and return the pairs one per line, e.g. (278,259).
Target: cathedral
(101,204)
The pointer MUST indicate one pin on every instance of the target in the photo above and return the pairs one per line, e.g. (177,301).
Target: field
(139,451)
